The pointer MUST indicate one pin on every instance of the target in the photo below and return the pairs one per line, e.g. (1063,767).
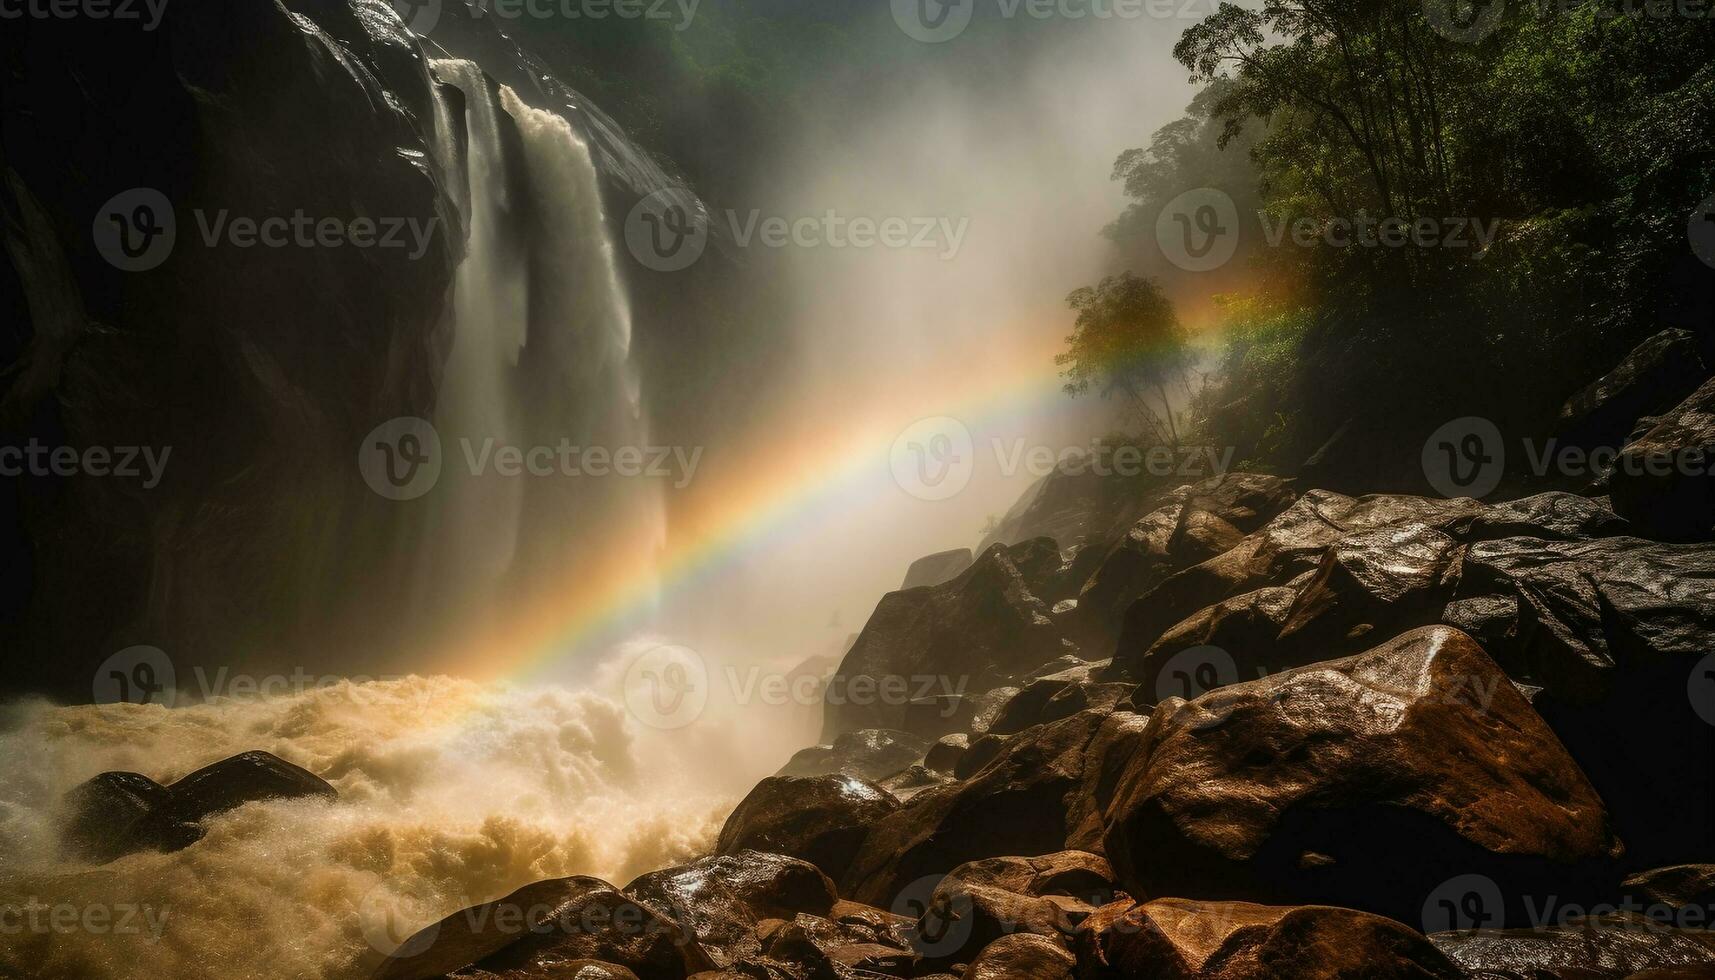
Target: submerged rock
(119,813)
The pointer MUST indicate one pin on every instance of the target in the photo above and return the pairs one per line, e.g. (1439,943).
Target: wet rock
(970,635)
(1664,481)
(828,948)
(1055,697)
(1287,546)
(819,819)
(1180,939)
(1554,516)
(979,902)
(1587,948)
(1042,793)
(1655,376)
(1163,542)
(1491,620)
(1680,886)
(869,754)
(908,783)
(984,750)
(938,715)
(1423,739)
(1616,631)
(1230,641)
(985,707)
(719,900)
(119,813)
(1075,505)
(1371,585)
(542,927)
(1023,957)
(937,569)
(944,755)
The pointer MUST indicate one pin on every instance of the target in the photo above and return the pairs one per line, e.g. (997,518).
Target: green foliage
(1586,136)
(1127,340)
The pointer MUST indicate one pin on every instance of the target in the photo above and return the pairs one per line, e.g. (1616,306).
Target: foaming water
(451,793)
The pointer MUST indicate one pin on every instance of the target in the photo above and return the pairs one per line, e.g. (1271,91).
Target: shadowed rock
(1023,957)
(544,926)
(1305,786)
(1180,939)
(979,902)
(870,754)
(1664,481)
(937,569)
(820,819)
(120,813)
(1042,793)
(1656,375)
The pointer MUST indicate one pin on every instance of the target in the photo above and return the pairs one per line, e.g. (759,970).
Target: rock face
(1303,786)
(969,635)
(118,813)
(819,819)
(1618,945)
(978,903)
(1617,632)
(1179,939)
(1651,379)
(937,569)
(543,927)
(1022,958)
(1664,481)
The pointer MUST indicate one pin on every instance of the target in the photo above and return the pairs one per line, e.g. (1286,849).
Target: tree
(1127,340)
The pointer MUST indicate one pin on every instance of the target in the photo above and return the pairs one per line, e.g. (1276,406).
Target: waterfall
(540,356)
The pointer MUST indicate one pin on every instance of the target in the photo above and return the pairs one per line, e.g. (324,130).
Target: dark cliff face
(245,375)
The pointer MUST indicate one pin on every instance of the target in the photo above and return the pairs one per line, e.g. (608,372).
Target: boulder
(1181,939)
(1076,504)
(1371,585)
(1041,794)
(1584,948)
(937,569)
(972,634)
(543,926)
(1655,376)
(1287,546)
(1616,631)
(827,948)
(979,902)
(1230,641)
(1023,957)
(119,813)
(1305,786)
(1664,481)
(719,900)
(1163,542)
(944,755)
(868,754)
(819,819)
(1554,516)
(1055,697)
(1680,886)
(907,783)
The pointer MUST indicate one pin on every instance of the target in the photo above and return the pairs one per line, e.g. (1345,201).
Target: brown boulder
(1306,786)
(1043,793)
(819,819)
(869,754)
(1179,939)
(1595,947)
(544,925)
(1023,958)
(719,900)
(1664,481)
(979,902)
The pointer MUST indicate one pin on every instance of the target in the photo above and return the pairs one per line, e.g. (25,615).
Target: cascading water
(540,357)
